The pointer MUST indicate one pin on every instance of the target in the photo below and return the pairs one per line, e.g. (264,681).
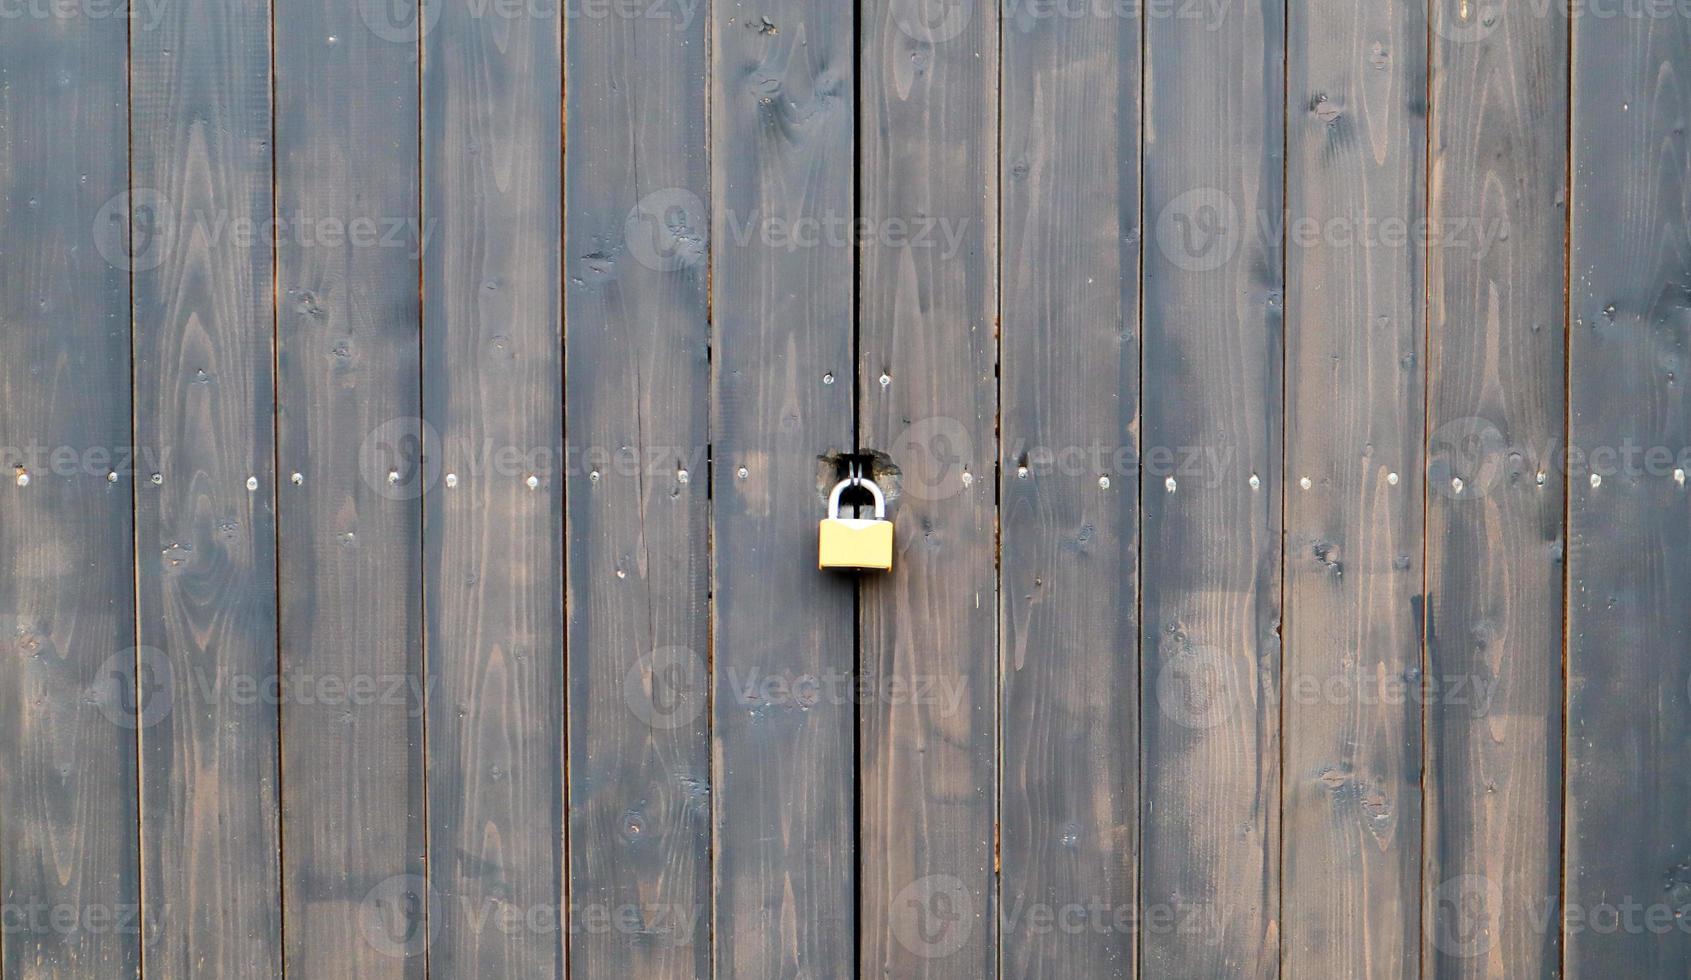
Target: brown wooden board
(927,397)
(206,530)
(636,406)
(1628,874)
(493,491)
(355,902)
(1495,419)
(1210,576)
(784,643)
(1069,178)
(69,705)
(1355,409)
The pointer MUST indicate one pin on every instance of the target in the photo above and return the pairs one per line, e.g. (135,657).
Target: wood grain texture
(205,536)
(927,397)
(1069,179)
(637,407)
(1355,301)
(1211,570)
(1629,625)
(493,532)
(68,704)
(346,89)
(785,714)
(1496,377)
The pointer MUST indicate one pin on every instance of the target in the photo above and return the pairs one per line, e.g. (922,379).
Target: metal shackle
(868,484)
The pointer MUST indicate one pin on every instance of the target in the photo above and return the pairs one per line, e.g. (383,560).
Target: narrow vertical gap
(711,367)
(997,903)
(1428,841)
(1285,471)
(423,497)
(567,964)
(275,496)
(1144,98)
(859,35)
(1567,498)
(134,496)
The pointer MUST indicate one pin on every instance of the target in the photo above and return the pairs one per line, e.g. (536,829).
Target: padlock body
(855,543)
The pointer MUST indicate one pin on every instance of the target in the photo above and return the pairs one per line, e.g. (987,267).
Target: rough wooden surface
(1629,624)
(927,391)
(69,706)
(206,534)
(1495,540)
(354,895)
(493,492)
(1069,553)
(1211,571)
(637,404)
(1355,297)
(784,773)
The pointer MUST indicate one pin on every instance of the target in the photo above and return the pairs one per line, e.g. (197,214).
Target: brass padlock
(848,542)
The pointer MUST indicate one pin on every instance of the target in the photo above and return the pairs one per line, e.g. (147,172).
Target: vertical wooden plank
(205,530)
(1069,181)
(350,542)
(1494,491)
(493,525)
(927,390)
(785,714)
(68,704)
(1629,629)
(636,404)
(1211,534)
(1355,410)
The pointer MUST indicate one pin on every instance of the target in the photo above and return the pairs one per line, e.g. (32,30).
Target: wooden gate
(415,422)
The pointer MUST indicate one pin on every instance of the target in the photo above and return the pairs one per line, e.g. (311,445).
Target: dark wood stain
(637,403)
(206,534)
(355,899)
(1069,551)
(1355,299)
(493,485)
(784,644)
(1496,363)
(1629,624)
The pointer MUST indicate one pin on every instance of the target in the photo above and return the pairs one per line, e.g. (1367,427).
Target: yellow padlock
(854,542)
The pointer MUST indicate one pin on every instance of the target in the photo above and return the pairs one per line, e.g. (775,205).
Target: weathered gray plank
(926,366)
(206,532)
(493,515)
(785,714)
(68,702)
(636,404)
(1069,181)
(1355,409)
(1629,625)
(1210,578)
(350,542)
(1495,539)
